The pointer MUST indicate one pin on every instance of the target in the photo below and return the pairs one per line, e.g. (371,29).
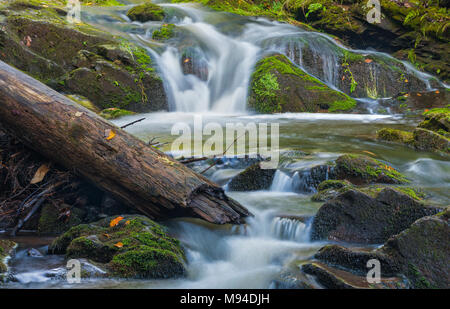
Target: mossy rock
(278,86)
(165,32)
(253,178)
(397,136)
(81,60)
(51,224)
(361,169)
(431,141)
(83,102)
(329,189)
(146,12)
(114,113)
(6,247)
(437,120)
(136,247)
(368,216)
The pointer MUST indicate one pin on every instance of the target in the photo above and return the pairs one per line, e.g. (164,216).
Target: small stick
(131,123)
(215,162)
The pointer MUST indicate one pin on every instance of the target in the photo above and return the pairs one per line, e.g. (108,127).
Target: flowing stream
(224,49)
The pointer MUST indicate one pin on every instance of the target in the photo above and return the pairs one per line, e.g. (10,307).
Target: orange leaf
(437,91)
(371,153)
(406,80)
(106,235)
(368,60)
(119,245)
(419,95)
(128,222)
(111,135)
(115,221)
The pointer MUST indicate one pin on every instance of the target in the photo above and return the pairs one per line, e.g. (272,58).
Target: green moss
(360,169)
(83,102)
(269,96)
(164,33)
(101,2)
(393,135)
(146,12)
(50,223)
(114,113)
(135,247)
(411,192)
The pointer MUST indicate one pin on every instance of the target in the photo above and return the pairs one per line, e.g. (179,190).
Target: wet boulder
(253,178)
(361,169)
(279,86)
(369,217)
(55,220)
(329,189)
(420,254)
(428,140)
(126,246)
(397,136)
(146,12)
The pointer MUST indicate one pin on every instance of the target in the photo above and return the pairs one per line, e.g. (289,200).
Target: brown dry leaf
(40,174)
(119,245)
(115,221)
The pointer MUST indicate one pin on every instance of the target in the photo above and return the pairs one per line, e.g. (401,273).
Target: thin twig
(131,123)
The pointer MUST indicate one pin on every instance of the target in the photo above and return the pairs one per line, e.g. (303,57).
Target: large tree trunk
(76,138)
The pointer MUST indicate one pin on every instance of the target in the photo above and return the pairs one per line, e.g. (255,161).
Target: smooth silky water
(251,255)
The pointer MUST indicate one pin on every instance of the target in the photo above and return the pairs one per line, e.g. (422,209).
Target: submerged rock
(278,86)
(420,254)
(146,12)
(252,179)
(432,134)
(367,217)
(128,247)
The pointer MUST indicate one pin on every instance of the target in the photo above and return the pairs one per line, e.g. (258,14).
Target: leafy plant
(314,7)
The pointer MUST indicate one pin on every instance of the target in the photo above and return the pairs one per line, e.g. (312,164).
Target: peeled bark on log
(139,175)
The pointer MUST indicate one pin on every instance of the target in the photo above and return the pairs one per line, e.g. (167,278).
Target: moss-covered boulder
(329,189)
(420,253)
(77,58)
(416,32)
(252,179)
(361,169)
(163,33)
(146,12)
(6,247)
(52,223)
(370,218)
(126,246)
(278,86)
(437,120)
(114,113)
(431,141)
(393,135)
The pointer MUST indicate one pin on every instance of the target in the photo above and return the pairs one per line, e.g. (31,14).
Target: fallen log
(115,161)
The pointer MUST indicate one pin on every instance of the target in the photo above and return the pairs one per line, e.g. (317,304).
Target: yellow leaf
(40,174)
(371,153)
(128,222)
(106,235)
(119,245)
(115,221)
(406,80)
(111,135)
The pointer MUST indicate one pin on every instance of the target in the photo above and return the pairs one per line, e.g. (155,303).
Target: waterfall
(281,182)
(290,229)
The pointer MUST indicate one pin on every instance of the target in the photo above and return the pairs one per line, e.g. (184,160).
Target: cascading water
(223,55)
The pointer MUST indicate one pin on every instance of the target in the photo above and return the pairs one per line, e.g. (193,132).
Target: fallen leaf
(187,60)
(128,222)
(110,134)
(426,110)
(437,91)
(406,80)
(371,153)
(40,174)
(119,245)
(106,235)
(115,221)
(368,60)
(419,95)
(78,114)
